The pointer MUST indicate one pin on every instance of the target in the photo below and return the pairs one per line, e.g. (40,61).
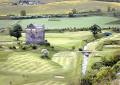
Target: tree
(95,29)
(74,11)
(71,14)
(109,9)
(45,53)
(16,31)
(23,13)
(105,74)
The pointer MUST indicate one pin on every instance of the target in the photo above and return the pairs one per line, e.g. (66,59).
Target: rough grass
(104,52)
(57,7)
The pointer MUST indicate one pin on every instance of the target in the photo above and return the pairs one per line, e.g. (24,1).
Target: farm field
(63,22)
(54,7)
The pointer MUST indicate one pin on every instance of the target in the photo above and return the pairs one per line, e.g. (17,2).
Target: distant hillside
(51,1)
(43,1)
(57,7)
(110,0)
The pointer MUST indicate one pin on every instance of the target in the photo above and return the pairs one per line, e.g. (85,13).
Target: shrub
(97,65)
(105,73)
(116,67)
(110,60)
(80,49)
(47,44)
(23,13)
(52,47)
(99,47)
(24,48)
(73,47)
(85,81)
(12,47)
(1,46)
(34,47)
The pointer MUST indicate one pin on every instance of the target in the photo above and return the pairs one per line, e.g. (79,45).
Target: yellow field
(57,7)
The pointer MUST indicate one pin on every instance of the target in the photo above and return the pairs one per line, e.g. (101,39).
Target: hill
(57,7)
(43,1)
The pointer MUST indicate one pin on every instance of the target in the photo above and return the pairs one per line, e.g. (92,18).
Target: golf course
(19,67)
(59,42)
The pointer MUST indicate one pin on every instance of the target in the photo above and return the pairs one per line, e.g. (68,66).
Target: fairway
(78,22)
(26,68)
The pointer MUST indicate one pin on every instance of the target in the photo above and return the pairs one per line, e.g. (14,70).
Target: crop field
(63,22)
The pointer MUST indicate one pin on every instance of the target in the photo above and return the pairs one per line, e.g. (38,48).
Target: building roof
(35,26)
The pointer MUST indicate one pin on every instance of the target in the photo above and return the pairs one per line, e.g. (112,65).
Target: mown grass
(18,70)
(59,40)
(63,23)
(19,62)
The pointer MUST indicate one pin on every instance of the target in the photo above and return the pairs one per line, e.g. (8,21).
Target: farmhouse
(35,34)
(31,2)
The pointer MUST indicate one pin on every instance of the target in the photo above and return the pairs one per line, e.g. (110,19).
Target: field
(27,68)
(57,7)
(64,22)
(96,55)
(59,40)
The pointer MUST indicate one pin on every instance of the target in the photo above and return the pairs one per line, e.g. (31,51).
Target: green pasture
(78,22)
(63,40)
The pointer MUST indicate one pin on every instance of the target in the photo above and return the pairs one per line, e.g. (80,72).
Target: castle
(35,34)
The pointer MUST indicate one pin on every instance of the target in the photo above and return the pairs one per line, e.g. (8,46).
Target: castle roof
(35,26)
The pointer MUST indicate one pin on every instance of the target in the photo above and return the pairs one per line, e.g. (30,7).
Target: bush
(52,47)
(1,46)
(99,47)
(12,47)
(34,47)
(111,60)
(85,81)
(97,65)
(24,48)
(23,13)
(105,74)
(116,67)
(80,49)
(47,44)
(73,47)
